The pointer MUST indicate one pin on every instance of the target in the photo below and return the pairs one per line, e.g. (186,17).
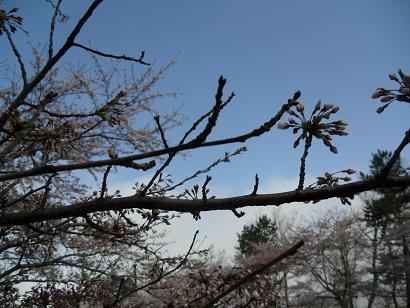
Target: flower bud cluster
(402,94)
(332,179)
(315,126)
(9,19)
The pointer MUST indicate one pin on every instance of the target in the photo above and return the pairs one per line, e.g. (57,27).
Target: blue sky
(337,51)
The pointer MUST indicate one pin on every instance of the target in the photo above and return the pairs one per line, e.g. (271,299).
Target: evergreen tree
(263,230)
(388,214)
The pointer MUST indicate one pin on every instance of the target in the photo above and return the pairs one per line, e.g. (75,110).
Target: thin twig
(18,56)
(214,115)
(161,131)
(308,143)
(204,189)
(107,55)
(52,28)
(104,182)
(121,160)
(203,117)
(28,88)
(162,275)
(256,186)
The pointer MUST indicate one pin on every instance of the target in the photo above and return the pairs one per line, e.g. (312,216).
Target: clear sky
(337,51)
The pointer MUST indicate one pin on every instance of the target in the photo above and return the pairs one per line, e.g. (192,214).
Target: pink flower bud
(283,126)
(378,93)
(292,121)
(327,107)
(300,107)
(386,98)
(381,109)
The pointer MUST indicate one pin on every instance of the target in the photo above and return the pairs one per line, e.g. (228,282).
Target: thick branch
(396,154)
(187,206)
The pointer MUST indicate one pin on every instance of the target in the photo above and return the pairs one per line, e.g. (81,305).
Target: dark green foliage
(264,230)
(388,211)
(384,209)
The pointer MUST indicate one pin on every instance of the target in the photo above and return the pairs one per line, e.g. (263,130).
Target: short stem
(308,143)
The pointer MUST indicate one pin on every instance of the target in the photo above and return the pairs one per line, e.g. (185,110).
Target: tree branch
(18,56)
(289,252)
(50,63)
(52,28)
(107,55)
(396,154)
(126,159)
(187,206)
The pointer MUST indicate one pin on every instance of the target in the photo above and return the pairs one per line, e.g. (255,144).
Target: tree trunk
(406,256)
(375,274)
(393,291)
(285,288)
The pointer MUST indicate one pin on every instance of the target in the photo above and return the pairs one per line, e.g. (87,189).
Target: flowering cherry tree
(58,120)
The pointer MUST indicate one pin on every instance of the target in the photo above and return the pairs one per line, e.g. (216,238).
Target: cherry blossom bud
(283,126)
(300,107)
(334,110)
(347,178)
(340,128)
(378,93)
(292,121)
(350,171)
(327,107)
(296,95)
(381,109)
(386,98)
(112,154)
(342,123)
(155,212)
(393,77)
(333,149)
(405,91)
(406,79)
(318,105)
(326,115)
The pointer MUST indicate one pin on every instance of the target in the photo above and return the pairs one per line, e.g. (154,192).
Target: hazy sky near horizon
(337,51)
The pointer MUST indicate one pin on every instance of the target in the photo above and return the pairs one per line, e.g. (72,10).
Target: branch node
(238,214)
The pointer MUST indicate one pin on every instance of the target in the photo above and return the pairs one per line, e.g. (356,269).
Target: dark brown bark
(198,205)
